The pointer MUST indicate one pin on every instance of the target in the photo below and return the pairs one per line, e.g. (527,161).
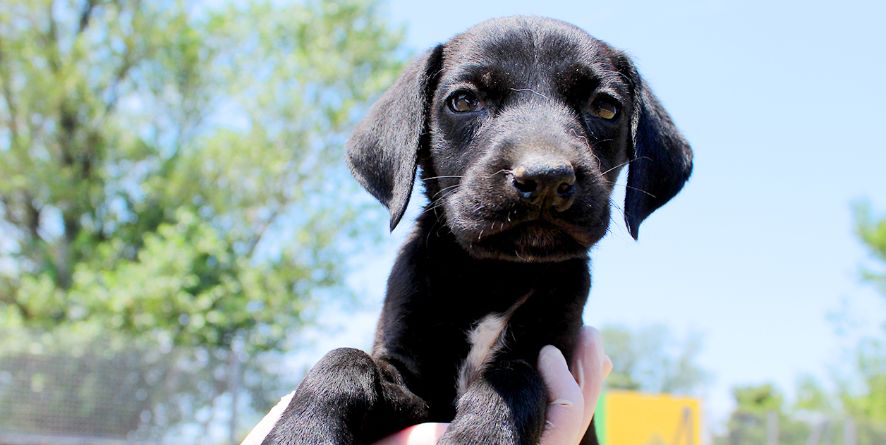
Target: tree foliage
(762,412)
(651,359)
(856,393)
(859,383)
(863,394)
(872,233)
(171,171)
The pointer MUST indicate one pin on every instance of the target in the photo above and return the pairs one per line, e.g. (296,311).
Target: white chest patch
(486,338)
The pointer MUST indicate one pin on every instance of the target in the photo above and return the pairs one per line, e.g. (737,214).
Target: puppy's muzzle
(545,183)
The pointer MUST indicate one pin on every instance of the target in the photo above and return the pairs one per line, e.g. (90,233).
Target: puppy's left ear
(383,150)
(661,161)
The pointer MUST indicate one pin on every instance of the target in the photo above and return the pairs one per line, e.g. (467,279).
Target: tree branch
(51,40)
(11,107)
(28,221)
(85,16)
(260,233)
(10,216)
(120,75)
(32,217)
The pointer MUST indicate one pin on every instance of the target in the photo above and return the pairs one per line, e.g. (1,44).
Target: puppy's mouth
(531,241)
(534,239)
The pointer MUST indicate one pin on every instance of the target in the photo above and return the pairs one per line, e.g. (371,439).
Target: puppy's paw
(307,431)
(464,431)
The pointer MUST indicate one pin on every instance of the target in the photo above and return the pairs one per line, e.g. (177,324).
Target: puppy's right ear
(383,150)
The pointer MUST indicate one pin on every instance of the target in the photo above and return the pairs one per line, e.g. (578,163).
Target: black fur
(520,127)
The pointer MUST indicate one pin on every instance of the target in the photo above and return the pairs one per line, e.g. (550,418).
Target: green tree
(867,398)
(761,416)
(758,399)
(872,233)
(857,393)
(171,171)
(859,382)
(650,359)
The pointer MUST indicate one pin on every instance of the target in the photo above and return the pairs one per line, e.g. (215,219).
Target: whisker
(617,184)
(617,207)
(639,190)
(442,176)
(444,189)
(619,166)
(627,162)
(437,200)
(433,207)
(504,170)
(575,133)
(530,90)
(434,226)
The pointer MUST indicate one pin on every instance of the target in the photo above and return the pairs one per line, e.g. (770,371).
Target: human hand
(572,396)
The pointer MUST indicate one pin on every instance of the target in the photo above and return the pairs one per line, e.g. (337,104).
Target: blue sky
(783,103)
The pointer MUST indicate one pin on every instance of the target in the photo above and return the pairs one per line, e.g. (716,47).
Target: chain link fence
(58,390)
(93,389)
(804,429)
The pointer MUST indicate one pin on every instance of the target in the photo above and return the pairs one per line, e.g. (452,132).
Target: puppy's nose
(546,182)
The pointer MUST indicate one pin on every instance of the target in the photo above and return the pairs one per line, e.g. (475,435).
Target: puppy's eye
(464,102)
(604,108)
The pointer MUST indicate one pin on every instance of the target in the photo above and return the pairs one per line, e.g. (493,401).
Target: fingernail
(550,352)
(580,370)
(607,366)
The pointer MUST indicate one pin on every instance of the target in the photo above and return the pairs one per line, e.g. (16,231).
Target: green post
(600,418)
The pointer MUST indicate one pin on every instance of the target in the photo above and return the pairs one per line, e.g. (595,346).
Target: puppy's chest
(486,338)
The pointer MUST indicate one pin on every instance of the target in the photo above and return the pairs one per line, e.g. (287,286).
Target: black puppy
(520,126)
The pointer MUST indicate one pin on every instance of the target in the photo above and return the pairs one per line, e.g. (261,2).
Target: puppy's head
(521,126)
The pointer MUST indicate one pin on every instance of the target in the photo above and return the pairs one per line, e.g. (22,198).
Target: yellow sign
(631,418)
